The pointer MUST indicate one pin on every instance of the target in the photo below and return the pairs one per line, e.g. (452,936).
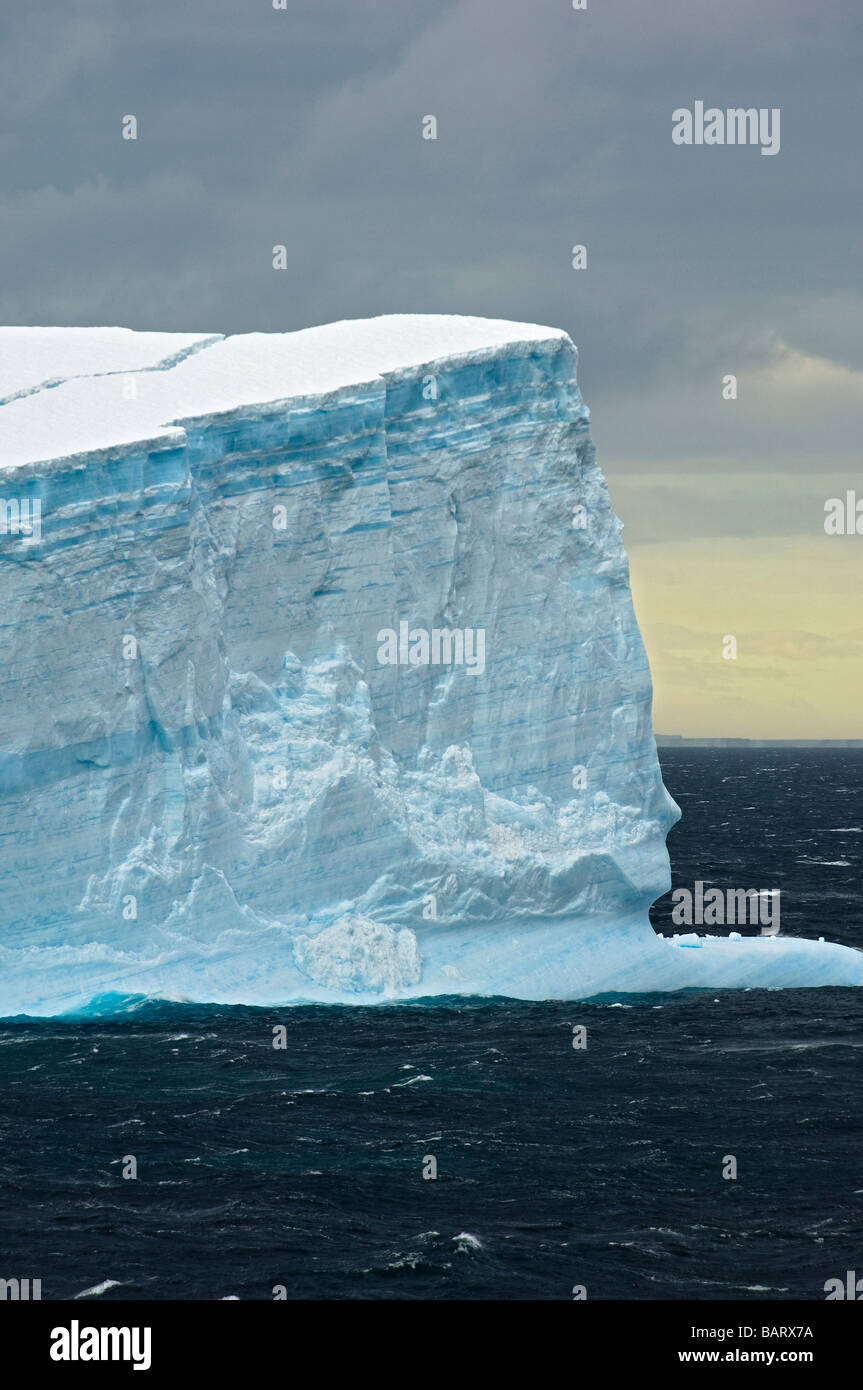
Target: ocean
(464,1149)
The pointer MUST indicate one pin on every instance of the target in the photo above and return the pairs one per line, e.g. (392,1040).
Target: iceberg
(322,679)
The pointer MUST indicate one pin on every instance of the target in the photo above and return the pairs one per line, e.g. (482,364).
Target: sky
(303,127)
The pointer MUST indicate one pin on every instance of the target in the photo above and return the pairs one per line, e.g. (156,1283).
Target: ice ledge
(72,392)
(586,959)
(358,961)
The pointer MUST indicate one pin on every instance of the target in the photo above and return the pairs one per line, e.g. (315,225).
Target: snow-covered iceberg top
(322,678)
(98,408)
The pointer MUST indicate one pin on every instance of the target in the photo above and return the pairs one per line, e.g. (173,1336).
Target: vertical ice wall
(211,786)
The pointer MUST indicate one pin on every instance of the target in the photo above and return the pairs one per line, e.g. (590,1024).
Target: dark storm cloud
(302,127)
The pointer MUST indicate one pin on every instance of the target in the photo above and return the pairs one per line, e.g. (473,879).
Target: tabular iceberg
(322,679)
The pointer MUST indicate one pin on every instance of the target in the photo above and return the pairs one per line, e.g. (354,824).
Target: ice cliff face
(248,751)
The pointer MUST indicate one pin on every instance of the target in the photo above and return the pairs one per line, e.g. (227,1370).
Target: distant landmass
(678,741)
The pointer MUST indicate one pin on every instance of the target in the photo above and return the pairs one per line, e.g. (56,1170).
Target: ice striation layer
(211,786)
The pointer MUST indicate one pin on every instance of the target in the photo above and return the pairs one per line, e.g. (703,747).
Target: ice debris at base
(356,955)
(213,789)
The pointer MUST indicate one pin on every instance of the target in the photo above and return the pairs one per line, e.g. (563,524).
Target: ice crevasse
(321,678)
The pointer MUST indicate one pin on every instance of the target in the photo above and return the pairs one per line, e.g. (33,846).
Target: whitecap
(98,1289)
(465,1242)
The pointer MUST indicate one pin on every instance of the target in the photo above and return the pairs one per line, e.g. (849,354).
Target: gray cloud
(303,127)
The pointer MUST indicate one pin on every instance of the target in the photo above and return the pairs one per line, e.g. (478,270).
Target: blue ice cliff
(321,678)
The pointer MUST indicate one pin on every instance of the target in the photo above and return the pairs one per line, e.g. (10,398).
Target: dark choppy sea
(304,1167)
